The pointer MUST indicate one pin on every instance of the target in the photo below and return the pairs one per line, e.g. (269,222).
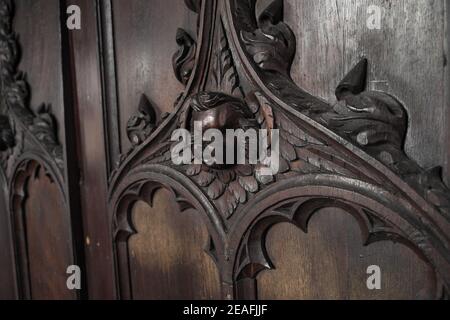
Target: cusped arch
(141,184)
(380,215)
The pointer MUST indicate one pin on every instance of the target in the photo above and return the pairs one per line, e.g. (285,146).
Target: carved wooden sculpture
(349,155)
(237,75)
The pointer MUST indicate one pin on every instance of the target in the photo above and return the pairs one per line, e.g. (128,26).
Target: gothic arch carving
(28,139)
(141,185)
(239,66)
(295,201)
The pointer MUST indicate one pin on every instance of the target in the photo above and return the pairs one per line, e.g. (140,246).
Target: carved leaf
(216,189)
(228,203)
(204,179)
(264,113)
(273,44)
(194,169)
(238,191)
(225,77)
(184,59)
(226,176)
(140,127)
(249,183)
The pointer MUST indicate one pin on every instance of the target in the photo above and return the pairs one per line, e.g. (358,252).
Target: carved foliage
(272,45)
(317,140)
(139,127)
(16,118)
(376,122)
(183,60)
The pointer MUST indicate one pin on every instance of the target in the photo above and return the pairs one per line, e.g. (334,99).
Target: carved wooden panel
(410,41)
(47,237)
(91,168)
(32,163)
(347,154)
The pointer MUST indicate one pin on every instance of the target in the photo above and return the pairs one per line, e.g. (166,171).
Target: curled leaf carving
(273,44)
(367,118)
(184,58)
(139,127)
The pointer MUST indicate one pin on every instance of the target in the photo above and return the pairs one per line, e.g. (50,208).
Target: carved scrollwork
(240,78)
(272,45)
(183,60)
(17,120)
(374,121)
(140,127)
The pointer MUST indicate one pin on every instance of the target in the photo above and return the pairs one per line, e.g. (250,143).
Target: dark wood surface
(88,105)
(8,288)
(143,228)
(339,271)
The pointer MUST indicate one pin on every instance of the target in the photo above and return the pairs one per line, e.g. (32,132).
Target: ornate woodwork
(28,144)
(236,72)
(349,155)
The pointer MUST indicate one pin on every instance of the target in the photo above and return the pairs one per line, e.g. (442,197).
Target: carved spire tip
(355,81)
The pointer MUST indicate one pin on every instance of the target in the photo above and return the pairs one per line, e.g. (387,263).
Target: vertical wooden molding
(71,154)
(447,88)
(109,82)
(92,139)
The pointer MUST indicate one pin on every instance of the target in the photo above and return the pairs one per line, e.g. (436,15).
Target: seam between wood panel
(72,148)
(446,77)
(111,112)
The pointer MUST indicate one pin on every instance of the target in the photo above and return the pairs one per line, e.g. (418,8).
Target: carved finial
(183,60)
(141,126)
(273,14)
(355,81)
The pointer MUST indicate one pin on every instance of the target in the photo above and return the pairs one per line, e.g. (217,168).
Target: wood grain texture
(145,36)
(49,240)
(407,59)
(40,44)
(167,255)
(93,160)
(351,156)
(7,276)
(331,263)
